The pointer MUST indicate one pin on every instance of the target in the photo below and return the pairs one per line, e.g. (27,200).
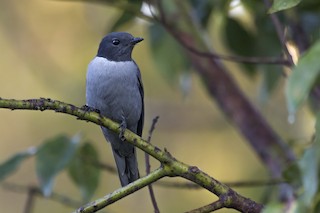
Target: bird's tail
(127,167)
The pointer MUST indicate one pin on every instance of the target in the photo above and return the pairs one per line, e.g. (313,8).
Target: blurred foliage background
(45,49)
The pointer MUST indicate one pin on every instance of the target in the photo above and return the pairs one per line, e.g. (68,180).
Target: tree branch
(122,192)
(169,165)
(208,208)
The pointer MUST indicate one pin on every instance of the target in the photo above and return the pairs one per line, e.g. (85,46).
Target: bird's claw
(90,109)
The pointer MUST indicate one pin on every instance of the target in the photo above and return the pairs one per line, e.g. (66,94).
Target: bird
(114,88)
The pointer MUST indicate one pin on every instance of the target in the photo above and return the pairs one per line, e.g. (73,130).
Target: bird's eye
(115,42)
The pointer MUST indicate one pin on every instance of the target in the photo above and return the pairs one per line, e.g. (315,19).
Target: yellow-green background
(45,47)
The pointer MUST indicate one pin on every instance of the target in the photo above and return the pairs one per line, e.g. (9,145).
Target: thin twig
(148,167)
(280,32)
(176,185)
(32,191)
(153,125)
(255,183)
(100,165)
(122,192)
(236,59)
(208,208)
(36,191)
(106,167)
(250,183)
(241,59)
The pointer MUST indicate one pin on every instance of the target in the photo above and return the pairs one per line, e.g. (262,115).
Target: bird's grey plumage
(114,87)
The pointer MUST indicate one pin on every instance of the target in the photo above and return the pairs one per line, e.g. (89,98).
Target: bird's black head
(117,46)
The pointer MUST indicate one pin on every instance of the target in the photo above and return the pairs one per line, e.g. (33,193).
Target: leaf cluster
(58,154)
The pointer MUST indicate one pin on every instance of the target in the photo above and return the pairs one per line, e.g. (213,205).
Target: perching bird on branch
(114,87)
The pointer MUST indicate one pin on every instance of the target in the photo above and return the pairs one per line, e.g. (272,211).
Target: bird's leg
(90,109)
(123,126)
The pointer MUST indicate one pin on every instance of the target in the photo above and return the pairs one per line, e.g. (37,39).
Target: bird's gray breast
(113,88)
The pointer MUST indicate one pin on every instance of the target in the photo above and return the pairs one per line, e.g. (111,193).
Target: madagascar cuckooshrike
(114,87)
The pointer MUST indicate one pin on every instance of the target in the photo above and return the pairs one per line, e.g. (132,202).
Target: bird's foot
(123,127)
(90,109)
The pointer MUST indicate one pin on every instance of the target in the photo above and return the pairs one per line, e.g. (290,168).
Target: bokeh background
(45,48)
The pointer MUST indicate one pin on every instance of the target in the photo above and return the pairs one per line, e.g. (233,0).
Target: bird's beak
(136,40)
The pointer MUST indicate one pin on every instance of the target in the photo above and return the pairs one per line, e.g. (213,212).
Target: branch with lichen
(170,166)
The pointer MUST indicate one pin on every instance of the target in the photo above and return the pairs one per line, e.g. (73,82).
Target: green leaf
(309,167)
(302,77)
(309,6)
(52,157)
(282,5)
(266,44)
(12,164)
(203,9)
(122,20)
(169,55)
(317,206)
(292,174)
(238,38)
(270,79)
(317,128)
(127,16)
(84,171)
(240,41)
(274,208)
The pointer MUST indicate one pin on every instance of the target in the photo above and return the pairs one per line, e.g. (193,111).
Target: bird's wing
(141,120)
